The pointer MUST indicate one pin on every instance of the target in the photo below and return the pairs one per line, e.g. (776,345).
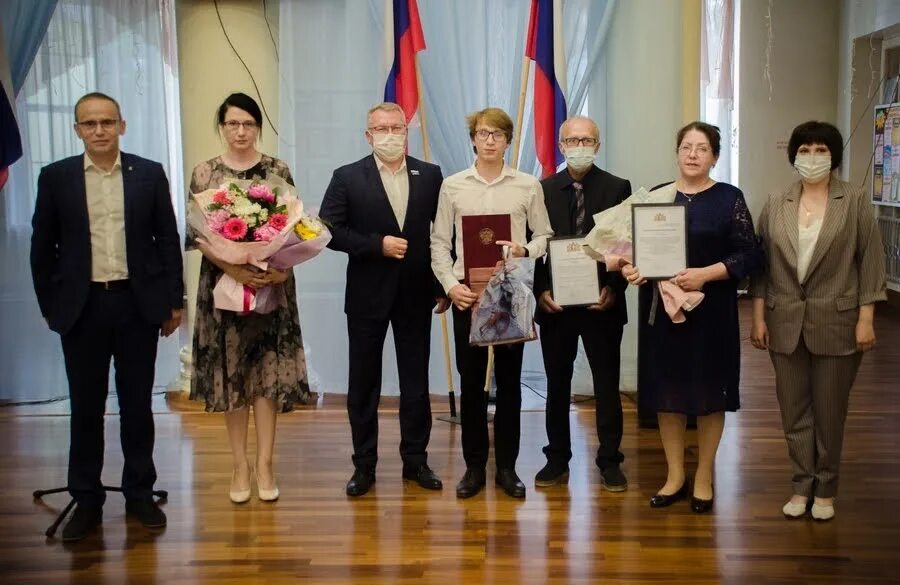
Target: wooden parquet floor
(402,534)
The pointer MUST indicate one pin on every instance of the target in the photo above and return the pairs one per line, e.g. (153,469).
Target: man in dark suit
(106,264)
(380,209)
(572,197)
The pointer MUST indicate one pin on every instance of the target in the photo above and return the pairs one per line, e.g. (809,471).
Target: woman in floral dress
(253,360)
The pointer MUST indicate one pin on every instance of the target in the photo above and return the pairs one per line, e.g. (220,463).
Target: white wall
(642,91)
(801,85)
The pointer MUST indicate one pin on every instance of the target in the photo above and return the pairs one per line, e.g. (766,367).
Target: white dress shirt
(468,193)
(105,194)
(396,185)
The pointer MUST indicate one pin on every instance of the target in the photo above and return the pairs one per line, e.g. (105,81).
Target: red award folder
(480,250)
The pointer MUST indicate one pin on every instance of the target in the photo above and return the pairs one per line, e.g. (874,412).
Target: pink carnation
(220,197)
(265,233)
(261,192)
(278,221)
(234,229)
(216,220)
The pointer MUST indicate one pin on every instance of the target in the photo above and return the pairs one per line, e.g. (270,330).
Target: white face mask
(389,147)
(813,167)
(580,158)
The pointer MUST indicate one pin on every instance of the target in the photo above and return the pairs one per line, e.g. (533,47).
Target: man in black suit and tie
(380,209)
(106,264)
(572,197)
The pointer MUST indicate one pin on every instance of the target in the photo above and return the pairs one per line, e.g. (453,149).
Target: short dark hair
(96,95)
(814,132)
(242,101)
(711,132)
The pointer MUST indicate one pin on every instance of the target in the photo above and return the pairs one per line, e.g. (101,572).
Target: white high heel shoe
(240,496)
(266,495)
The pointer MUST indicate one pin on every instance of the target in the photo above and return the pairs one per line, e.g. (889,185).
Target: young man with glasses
(572,197)
(107,300)
(380,210)
(488,187)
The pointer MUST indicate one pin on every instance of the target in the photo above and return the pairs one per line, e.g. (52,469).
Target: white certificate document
(573,274)
(659,237)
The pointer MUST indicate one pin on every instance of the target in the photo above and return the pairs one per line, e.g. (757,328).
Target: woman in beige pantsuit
(813,308)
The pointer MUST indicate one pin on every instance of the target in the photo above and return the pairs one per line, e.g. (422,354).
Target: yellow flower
(305,232)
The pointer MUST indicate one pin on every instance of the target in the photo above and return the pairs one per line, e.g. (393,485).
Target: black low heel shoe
(663,501)
(701,506)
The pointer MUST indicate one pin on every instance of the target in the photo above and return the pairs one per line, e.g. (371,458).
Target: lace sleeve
(200,179)
(745,254)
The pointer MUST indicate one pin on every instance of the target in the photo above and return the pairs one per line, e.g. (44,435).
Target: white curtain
(126,49)
(332,70)
(718,81)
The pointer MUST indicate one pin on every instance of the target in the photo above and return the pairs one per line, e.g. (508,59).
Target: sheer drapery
(125,48)
(24,27)
(332,69)
(718,81)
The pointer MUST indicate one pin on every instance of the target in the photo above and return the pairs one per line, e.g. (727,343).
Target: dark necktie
(579,208)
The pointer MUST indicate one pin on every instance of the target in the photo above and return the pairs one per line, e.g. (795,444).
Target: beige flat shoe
(240,496)
(266,495)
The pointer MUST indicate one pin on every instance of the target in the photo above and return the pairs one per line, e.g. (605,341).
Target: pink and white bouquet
(254,222)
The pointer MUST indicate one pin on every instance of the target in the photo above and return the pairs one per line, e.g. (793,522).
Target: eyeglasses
(91,125)
(580,141)
(700,149)
(395,129)
(233,125)
(485,134)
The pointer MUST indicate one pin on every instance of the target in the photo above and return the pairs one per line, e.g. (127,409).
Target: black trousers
(471,363)
(411,324)
(601,335)
(110,326)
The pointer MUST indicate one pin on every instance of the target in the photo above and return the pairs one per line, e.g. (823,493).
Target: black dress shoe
(702,506)
(471,483)
(662,500)
(551,474)
(612,479)
(146,511)
(424,476)
(361,482)
(82,522)
(510,482)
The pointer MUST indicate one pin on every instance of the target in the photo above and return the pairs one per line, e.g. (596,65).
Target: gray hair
(564,125)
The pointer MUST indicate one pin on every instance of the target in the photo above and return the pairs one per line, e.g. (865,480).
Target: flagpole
(523,89)
(445,329)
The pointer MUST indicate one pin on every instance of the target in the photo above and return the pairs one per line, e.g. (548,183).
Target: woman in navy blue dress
(693,368)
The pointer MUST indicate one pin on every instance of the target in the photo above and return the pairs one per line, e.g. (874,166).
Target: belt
(124,284)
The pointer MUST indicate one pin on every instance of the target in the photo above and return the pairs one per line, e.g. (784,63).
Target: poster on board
(886,159)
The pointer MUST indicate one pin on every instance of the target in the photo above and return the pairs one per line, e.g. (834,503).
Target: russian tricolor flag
(404,31)
(10,141)
(544,46)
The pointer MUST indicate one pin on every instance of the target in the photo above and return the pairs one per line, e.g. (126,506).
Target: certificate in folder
(480,250)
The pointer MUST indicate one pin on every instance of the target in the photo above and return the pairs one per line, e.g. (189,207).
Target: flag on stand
(10,141)
(544,46)
(404,38)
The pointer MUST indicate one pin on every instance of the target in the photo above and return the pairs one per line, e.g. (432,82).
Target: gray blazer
(846,271)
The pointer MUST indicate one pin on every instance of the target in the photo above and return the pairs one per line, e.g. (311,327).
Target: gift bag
(504,312)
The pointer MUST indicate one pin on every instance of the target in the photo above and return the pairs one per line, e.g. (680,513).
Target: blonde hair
(492,117)
(384,107)
(565,124)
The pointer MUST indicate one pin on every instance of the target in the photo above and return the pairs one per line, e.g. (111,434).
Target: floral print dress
(238,358)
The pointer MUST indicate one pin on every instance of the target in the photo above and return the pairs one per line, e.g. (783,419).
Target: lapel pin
(130,168)
(413,171)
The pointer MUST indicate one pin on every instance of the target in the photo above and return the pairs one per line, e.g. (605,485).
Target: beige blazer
(846,271)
